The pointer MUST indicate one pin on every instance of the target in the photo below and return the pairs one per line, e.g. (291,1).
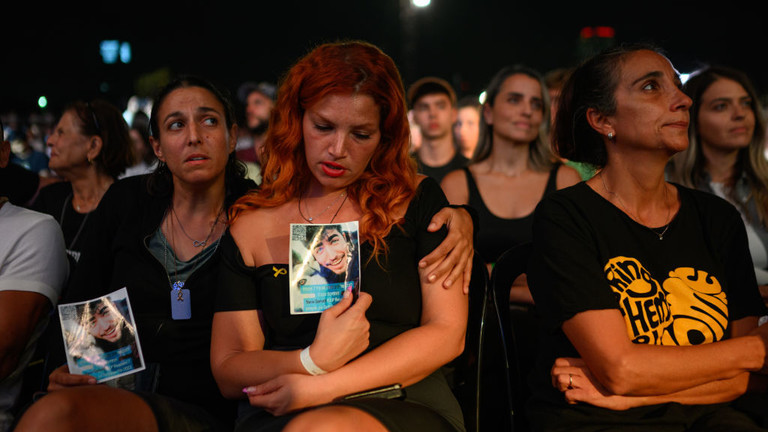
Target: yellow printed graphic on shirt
(688,308)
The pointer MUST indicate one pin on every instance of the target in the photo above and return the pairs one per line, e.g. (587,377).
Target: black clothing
(56,200)
(117,256)
(397,308)
(682,290)
(498,234)
(437,173)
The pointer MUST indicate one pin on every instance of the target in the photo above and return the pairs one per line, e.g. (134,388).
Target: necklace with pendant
(181,307)
(82,223)
(660,235)
(310,219)
(197,243)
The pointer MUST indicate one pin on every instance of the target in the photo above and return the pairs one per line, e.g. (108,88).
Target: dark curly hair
(161,180)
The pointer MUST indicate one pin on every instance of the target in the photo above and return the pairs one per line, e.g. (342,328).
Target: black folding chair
(481,374)
(519,350)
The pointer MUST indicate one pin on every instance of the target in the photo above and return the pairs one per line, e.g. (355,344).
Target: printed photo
(325,262)
(100,337)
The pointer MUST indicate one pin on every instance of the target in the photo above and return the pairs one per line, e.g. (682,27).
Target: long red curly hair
(390,179)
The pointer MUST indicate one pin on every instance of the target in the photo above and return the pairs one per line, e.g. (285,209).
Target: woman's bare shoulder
(567,176)
(454,185)
(252,230)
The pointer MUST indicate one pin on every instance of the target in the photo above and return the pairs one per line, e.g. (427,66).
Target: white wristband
(308,364)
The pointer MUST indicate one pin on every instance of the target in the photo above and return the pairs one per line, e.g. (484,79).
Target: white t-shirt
(32,259)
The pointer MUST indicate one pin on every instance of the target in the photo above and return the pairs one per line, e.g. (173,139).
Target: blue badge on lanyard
(181,307)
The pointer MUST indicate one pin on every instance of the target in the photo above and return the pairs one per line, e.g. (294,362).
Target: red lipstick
(332,169)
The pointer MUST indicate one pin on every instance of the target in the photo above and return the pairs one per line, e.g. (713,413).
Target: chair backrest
(508,267)
(482,372)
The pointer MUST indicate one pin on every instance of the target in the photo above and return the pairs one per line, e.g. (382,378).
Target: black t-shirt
(437,173)
(682,290)
(56,200)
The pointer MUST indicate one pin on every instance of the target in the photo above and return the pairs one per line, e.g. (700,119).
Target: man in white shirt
(33,271)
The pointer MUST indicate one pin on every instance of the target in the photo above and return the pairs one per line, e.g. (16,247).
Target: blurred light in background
(112,50)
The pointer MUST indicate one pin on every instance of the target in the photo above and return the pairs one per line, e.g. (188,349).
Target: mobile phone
(394,391)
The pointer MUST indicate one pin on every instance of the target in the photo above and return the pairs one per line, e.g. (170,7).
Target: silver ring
(570,381)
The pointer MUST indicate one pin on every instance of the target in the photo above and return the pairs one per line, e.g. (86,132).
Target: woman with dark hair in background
(90,147)
(645,288)
(144,158)
(513,166)
(726,153)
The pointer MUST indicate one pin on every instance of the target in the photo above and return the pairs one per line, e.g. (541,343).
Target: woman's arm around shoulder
(416,353)
(454,255)
(238,357)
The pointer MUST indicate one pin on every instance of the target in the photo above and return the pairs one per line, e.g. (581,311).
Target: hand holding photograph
(100,337)
(324,262)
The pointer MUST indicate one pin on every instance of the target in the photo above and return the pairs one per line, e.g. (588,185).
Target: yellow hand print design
(688,308)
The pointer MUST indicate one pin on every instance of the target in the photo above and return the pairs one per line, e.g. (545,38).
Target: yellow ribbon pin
(279,271)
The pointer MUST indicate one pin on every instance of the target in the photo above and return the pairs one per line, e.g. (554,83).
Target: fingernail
(422,264)
(247,389)
(447,282)
(432,278)
(432,225)
(346,294)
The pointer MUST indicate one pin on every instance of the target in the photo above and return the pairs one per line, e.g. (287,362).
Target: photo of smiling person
(326,263)
(101,338)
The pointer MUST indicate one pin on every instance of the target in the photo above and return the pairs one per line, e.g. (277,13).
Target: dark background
(52,50)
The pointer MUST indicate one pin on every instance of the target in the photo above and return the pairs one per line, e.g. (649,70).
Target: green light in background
(42,102)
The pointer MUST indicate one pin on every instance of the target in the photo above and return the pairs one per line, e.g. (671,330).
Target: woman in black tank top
(513,166)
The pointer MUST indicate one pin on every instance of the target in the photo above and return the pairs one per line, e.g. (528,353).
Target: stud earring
(610,135)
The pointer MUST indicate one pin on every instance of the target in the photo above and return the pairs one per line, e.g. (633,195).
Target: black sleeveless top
(496,234)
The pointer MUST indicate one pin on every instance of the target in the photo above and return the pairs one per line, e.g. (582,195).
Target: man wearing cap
(259,99)
(433,103)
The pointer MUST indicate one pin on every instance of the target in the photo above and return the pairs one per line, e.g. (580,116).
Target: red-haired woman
(337,151)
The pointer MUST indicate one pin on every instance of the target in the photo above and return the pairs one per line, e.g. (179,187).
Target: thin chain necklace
(176,284)
(82,224)
(309,218)
(666,226)
(198,243)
